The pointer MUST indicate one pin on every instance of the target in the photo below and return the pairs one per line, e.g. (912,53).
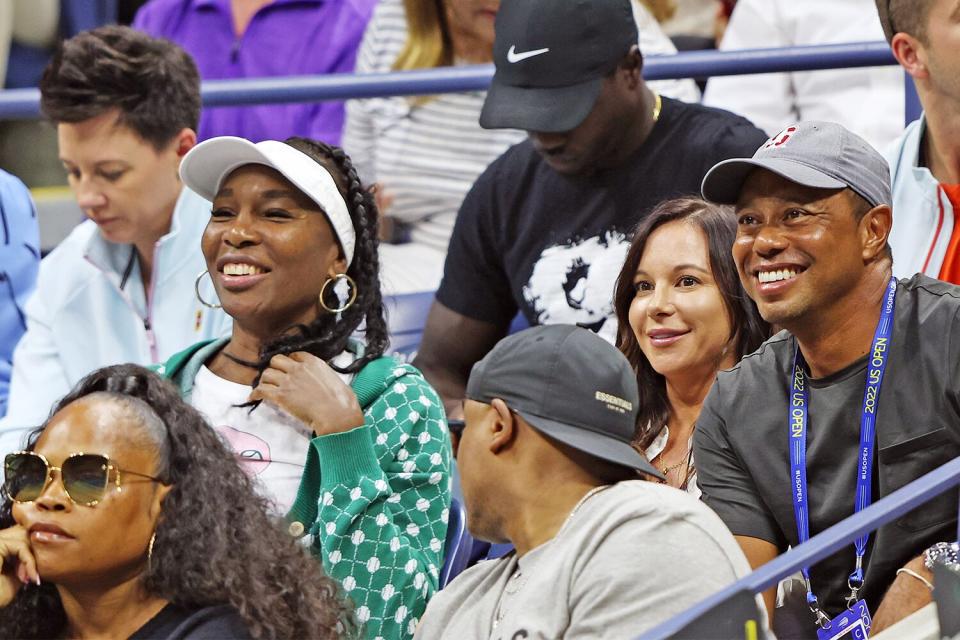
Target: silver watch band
(944,553)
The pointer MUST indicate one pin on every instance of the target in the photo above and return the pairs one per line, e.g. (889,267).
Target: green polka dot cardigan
(374,499)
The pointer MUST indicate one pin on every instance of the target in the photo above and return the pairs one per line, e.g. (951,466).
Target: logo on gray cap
(822,155)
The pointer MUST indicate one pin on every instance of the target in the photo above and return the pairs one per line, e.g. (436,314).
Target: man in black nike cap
(545,229)
(547,465)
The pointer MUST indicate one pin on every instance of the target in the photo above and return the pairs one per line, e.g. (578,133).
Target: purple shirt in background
(284,38)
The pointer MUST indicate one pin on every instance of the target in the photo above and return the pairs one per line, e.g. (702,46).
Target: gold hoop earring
(196,289)
(353,293)
(153,539)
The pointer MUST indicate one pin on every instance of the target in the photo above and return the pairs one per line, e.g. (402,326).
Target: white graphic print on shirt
(572,283)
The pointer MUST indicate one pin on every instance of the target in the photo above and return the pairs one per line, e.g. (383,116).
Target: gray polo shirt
(632,556)
(743,459)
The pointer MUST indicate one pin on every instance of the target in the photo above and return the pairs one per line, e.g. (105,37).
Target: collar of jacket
(368,385)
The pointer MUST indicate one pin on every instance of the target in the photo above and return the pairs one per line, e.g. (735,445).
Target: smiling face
(678,314)
(799,250)
(121,181)
(106,543)
(270,249)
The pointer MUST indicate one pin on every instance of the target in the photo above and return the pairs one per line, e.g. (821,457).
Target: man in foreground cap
(858,397)
(545,228)
(547,465)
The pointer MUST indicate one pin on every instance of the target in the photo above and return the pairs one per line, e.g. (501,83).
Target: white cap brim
(207,165)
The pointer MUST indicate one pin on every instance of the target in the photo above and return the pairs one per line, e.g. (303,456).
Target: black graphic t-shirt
(529,238)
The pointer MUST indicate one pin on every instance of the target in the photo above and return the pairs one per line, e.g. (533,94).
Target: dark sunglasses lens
(24,476)
(85,478)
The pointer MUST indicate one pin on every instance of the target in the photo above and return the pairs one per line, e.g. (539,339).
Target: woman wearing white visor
(351,445)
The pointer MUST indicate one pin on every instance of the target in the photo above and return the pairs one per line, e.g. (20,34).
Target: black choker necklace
(241,362)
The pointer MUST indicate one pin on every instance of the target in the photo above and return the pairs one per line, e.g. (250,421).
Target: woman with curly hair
(351,445)
(128,517)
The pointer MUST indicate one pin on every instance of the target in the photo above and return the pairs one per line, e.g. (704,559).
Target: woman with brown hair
(424,153)
(683,315)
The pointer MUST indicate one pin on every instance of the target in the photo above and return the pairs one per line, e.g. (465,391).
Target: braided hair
(327,336)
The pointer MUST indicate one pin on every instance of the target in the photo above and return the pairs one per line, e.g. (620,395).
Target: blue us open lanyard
(798,447)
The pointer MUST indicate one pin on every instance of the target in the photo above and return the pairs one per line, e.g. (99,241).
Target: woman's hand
(19,565)
(307,388)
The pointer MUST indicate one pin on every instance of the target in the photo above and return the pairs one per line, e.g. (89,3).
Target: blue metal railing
(823,544)
(24,103)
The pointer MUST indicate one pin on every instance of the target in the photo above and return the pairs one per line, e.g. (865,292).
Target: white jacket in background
(922,212)
(90,310)
(868,101)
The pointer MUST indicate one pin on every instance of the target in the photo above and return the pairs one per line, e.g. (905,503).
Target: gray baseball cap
(823,155)
(551,57)
(570,384)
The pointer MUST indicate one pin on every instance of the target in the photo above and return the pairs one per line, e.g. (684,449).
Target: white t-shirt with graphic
(270,444)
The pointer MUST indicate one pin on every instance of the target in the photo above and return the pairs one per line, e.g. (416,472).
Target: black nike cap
(551,57)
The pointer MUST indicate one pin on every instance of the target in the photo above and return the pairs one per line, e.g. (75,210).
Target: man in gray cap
(546,227)
(859,396)
(547,465)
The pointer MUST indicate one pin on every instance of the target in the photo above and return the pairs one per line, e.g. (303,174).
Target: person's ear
(156,505)
(185,140)
(874,231)
(911,54)
(339,263)
(632,65)
(503,427)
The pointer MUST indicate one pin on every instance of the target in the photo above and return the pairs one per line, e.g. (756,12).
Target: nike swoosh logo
(513,56)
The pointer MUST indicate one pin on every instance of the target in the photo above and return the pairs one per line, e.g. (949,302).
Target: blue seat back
(407,316)
(458,544)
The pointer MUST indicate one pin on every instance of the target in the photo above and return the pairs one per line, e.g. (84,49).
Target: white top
(868,101)
(630,557)
(427,156)
(923,218)
(656,448)
(271,445)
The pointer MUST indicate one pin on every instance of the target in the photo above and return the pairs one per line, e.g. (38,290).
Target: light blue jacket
(90,310)
(922,212)
(19,260)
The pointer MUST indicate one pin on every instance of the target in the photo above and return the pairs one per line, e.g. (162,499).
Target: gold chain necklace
(665,469)
(657,104)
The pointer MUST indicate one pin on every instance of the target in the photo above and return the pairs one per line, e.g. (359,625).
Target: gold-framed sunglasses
(85,476)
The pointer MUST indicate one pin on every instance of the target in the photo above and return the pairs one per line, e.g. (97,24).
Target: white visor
(205,167)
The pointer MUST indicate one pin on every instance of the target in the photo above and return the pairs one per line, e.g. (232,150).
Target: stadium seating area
(731,612)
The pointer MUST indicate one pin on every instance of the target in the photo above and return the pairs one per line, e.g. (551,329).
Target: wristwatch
(943,553)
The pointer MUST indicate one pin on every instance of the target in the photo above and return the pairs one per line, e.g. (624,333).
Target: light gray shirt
(631,557)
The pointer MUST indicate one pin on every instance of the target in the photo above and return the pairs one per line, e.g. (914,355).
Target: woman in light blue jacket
(121,287)
(19,260)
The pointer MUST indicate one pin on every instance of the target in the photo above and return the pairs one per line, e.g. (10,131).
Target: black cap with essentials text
(570,384)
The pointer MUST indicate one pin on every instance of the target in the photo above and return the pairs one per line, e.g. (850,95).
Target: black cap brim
(593,443)
(724,181)
(543,109)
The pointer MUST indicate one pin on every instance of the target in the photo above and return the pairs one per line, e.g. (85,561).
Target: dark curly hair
(719,227)
(327,336)
(153,83)
(215,542)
